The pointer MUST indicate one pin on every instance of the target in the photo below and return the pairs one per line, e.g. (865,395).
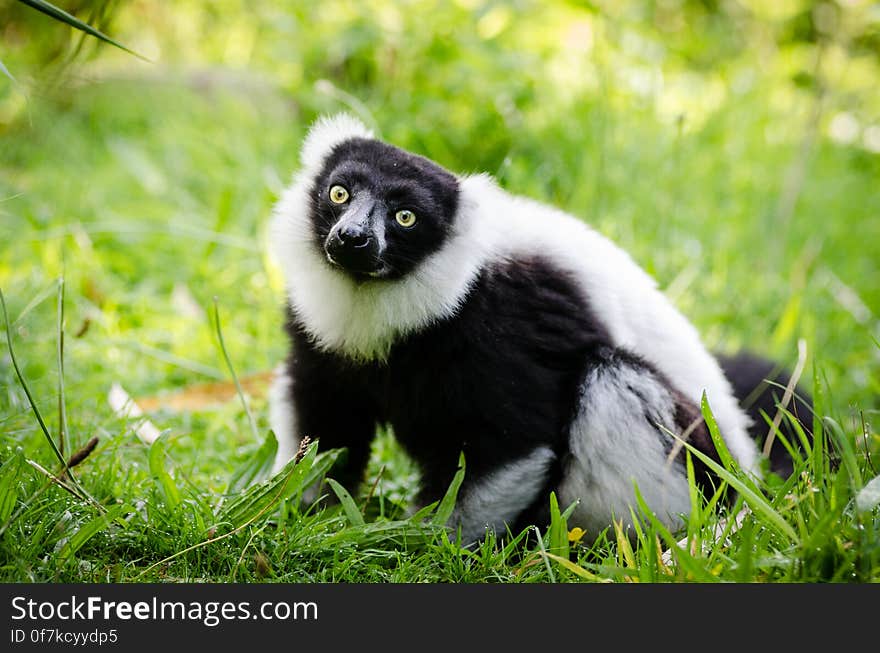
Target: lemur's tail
(759,384)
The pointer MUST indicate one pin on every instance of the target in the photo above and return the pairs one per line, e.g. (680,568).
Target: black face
(378,211)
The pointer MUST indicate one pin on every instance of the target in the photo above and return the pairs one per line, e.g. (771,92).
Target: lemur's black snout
(353,248)
(353,238)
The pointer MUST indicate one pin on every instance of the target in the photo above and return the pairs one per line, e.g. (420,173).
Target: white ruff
(363,320)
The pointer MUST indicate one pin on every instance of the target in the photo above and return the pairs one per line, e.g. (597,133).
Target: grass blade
(348,505)
(9,475)
(756,502)
(62,410)
(167,486)
(423,512)
(238,389)
(624,549)
(256,468)
(60,15)
(557,534)
(296,476)
(5,71)
(88,531)
(401,534)
(24,385)
(574,568)
(786,397)
(60,482)
(543,551)
(818,453)
(720,445)
(447,504)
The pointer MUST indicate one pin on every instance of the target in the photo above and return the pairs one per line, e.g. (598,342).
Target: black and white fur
(495,325)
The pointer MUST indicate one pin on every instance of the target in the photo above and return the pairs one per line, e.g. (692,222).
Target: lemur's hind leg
(498,500)
(620,439)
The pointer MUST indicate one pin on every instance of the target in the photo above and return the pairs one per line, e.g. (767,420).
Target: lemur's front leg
(322,396)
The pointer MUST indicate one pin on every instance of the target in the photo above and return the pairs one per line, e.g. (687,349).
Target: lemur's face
(378,211)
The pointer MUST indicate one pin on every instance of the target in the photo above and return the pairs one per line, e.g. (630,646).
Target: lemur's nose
(354,238)
(353,248)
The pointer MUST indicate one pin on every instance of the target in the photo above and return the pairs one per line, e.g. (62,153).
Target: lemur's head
(374,242)
(378,211)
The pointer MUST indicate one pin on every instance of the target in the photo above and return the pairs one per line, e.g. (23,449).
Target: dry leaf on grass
(206,395)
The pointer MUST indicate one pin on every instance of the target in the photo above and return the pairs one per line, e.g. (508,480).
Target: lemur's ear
(328,132)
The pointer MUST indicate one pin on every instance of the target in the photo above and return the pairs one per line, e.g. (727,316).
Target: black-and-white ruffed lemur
(469,319)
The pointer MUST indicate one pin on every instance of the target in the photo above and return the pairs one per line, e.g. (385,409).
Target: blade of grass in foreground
(576,569)
(238,389)
(557,534)
(256,468)
(542,550)
(78,490)
(720,445)
(25,387)
(756,502)
(294,478)
(156,458)
(62,410)
(88,531)
(447,504)
(62,16)
(348,505)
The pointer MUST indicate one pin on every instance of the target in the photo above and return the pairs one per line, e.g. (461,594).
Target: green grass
(149,190)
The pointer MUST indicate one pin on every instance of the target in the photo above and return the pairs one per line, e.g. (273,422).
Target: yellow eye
(338,195)
(405,218)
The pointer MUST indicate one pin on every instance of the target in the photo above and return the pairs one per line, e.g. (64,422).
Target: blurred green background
(732,146)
